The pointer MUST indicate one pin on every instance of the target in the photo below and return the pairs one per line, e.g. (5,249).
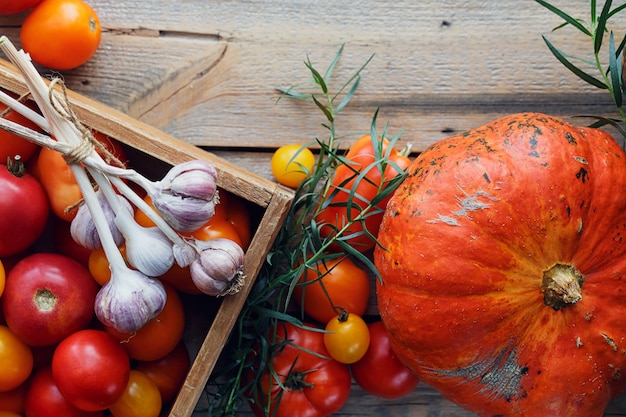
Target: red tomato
(43,399)
(16,360)
(12,145)
(2,279)
(48,297)
(169,372)
(347,185)
(343,285)
(8,7)
(311,383)
(380,372)
(140,399)
(73,25)
(91,369)
(23,210)
(180,278)
(66,245)
(13,400)
(160,335)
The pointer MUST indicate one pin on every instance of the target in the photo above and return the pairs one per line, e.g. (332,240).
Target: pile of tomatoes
(316,364)
(56,359)
(58,34)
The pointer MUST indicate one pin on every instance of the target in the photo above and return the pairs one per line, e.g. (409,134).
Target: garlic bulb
(129,300)
(147,248)
(83,228)
(187,194)
(218,270)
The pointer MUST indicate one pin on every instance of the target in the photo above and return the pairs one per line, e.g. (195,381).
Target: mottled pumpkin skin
(468,236)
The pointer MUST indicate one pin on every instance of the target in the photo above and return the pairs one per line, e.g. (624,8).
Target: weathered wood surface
(205,72)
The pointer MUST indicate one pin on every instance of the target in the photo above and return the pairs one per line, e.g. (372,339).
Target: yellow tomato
(291,164)
(347,338)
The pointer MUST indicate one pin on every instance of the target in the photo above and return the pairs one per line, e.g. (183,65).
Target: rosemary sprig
(298,247)
(610,76)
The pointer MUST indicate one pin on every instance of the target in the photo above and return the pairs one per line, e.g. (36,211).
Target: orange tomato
(16,360)
(61,34)
(160,335)
(342,285)
(56,177)
(140,399)
(98,266)
(5,413)
(169,372)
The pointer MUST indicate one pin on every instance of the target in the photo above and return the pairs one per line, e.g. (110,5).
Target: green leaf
(593,12)
(580,73)
(569,19)
(616,72)
(349,95)
(324,109)
(617,10)
(601,26)
(331,67)
(317,77)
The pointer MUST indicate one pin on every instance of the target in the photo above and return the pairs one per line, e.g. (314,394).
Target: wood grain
(206,72)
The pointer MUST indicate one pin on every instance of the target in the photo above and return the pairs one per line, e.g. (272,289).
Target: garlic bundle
(183,201)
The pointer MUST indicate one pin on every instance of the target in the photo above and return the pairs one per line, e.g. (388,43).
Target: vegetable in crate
(503,265)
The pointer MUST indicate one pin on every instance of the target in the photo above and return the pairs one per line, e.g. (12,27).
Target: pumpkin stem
(561,286)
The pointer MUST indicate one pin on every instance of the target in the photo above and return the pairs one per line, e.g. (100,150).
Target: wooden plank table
(205,72)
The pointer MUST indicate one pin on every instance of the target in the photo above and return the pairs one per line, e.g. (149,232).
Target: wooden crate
(150,145)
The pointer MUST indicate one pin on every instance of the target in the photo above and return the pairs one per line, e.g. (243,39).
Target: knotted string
(88,142)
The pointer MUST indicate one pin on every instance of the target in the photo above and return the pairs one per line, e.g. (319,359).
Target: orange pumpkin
(504,268)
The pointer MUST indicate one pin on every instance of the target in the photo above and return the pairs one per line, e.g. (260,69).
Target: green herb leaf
(616,72)
(601,26)
(580,73)
(568,19)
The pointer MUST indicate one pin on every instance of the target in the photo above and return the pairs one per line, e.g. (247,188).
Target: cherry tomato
(140,399)
(13,400)
(160,335)
(8,7)
(12,145)
(231,220)
(43,399)
(342,285)
(350,194)
(91,369)
(58,180)
(380,372)
(180,279)
(16,360)
(169,372)
(292,164)
(24,209)
(47,297)
(303,380)
(73,25)
(66,245)
(347,337)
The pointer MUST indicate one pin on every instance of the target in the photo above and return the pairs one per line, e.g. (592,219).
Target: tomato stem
(16,166)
